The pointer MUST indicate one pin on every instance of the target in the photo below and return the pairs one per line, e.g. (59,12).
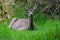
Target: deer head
(31,11)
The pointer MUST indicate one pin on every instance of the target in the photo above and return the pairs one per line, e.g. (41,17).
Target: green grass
(46,29)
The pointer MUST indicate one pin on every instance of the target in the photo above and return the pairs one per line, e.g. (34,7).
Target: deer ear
(35,7)
(28,11)
(26,8)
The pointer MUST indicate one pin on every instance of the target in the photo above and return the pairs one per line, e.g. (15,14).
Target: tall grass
(46,29)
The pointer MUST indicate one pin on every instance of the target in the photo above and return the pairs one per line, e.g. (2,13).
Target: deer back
(21,24)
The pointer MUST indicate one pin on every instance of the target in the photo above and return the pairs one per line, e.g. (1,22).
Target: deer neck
(31,21)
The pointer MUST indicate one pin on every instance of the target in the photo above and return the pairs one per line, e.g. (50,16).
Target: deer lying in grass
(24,24)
